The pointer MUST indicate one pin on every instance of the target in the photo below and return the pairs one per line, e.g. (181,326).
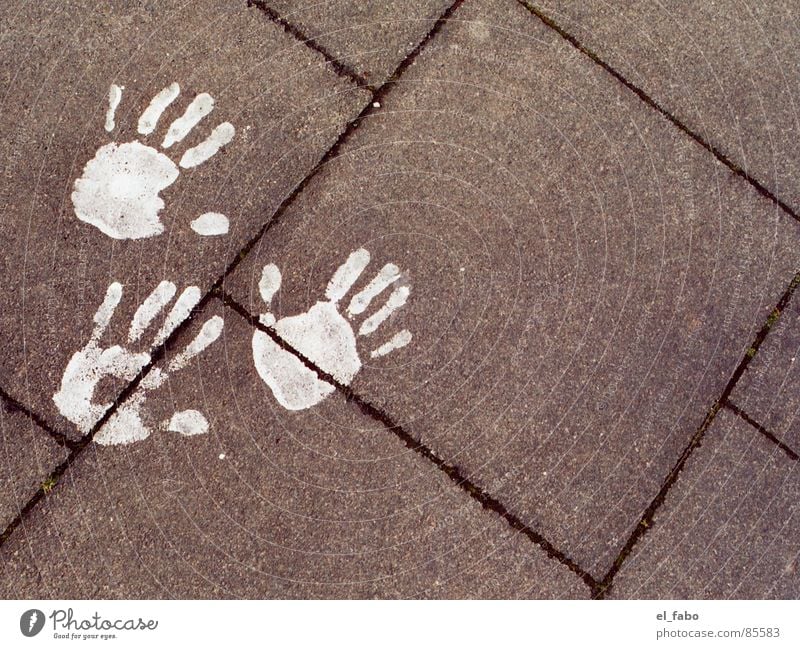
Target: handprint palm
(323,335)
(119,191)
(88,367)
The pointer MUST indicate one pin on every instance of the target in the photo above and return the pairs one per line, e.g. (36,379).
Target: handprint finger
(400,339)
(387,275)
(347,274)
(157,106)
(201,106)
(104,312)
(180,311)
(188,422)
(210,224)
(210,331)
(114,97)
(150,308)
(219,137)
(268,285)
(396,300)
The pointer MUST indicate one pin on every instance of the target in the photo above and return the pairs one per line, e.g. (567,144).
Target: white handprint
(323,335)
(89,366)
(119,189)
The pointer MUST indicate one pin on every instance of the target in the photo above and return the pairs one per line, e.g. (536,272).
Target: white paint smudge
(219,137)
(180,311)
(400,339)
(159,103)
(103,314)
(88,367)
(210,224)
(119,190)
(188,422)
(322,335)
(150,308)
(268,285)
(210,331)
(201,106)
(387,275)
(114,97)
(347,274)
(294,386)
(396,301)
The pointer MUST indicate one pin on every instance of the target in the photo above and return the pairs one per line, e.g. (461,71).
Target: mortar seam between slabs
(80,445)
(377,94)
(15,405)
(739,412)
(341,69)
(453,473)
(646,519)
(735,168)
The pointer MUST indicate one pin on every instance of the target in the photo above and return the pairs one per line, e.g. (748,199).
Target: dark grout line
(771,437)
(652,103)
(12,405)
(79,446)
(455,475)
(377,97)
(76,448)
(646,520)
(342,69)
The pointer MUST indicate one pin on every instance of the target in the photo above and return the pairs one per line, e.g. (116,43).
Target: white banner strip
(403,624)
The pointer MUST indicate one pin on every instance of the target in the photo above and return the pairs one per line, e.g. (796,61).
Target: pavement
(484,299)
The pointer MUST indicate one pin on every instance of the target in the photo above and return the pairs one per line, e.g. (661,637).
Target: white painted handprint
(119,189)
(87,367)
(323,335)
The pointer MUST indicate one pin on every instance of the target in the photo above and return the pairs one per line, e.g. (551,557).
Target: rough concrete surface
(321,503)
(728,529)
(28,456)
(770,388)
(370,36)
(729,70)
(584,278)
(286,105)
(483,292)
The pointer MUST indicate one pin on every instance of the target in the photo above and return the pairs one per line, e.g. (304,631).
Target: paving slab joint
(376,98)
(77,447)
(646,520)
(734,167)
(762,429)
(10,404)
(473,490)
(340,68)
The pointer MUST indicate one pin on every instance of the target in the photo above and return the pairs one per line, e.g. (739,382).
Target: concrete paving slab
(728,528)
(372,36)
(59,252)
(729,70)
(583,277)
(768,391)
(29,456)
(267,504)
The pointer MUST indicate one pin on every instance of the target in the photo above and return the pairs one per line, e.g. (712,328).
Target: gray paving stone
(768,390)
(729,70)
(60,58)
(318,503)
(584,278)
(728,528)
(370,36)
(29,456)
